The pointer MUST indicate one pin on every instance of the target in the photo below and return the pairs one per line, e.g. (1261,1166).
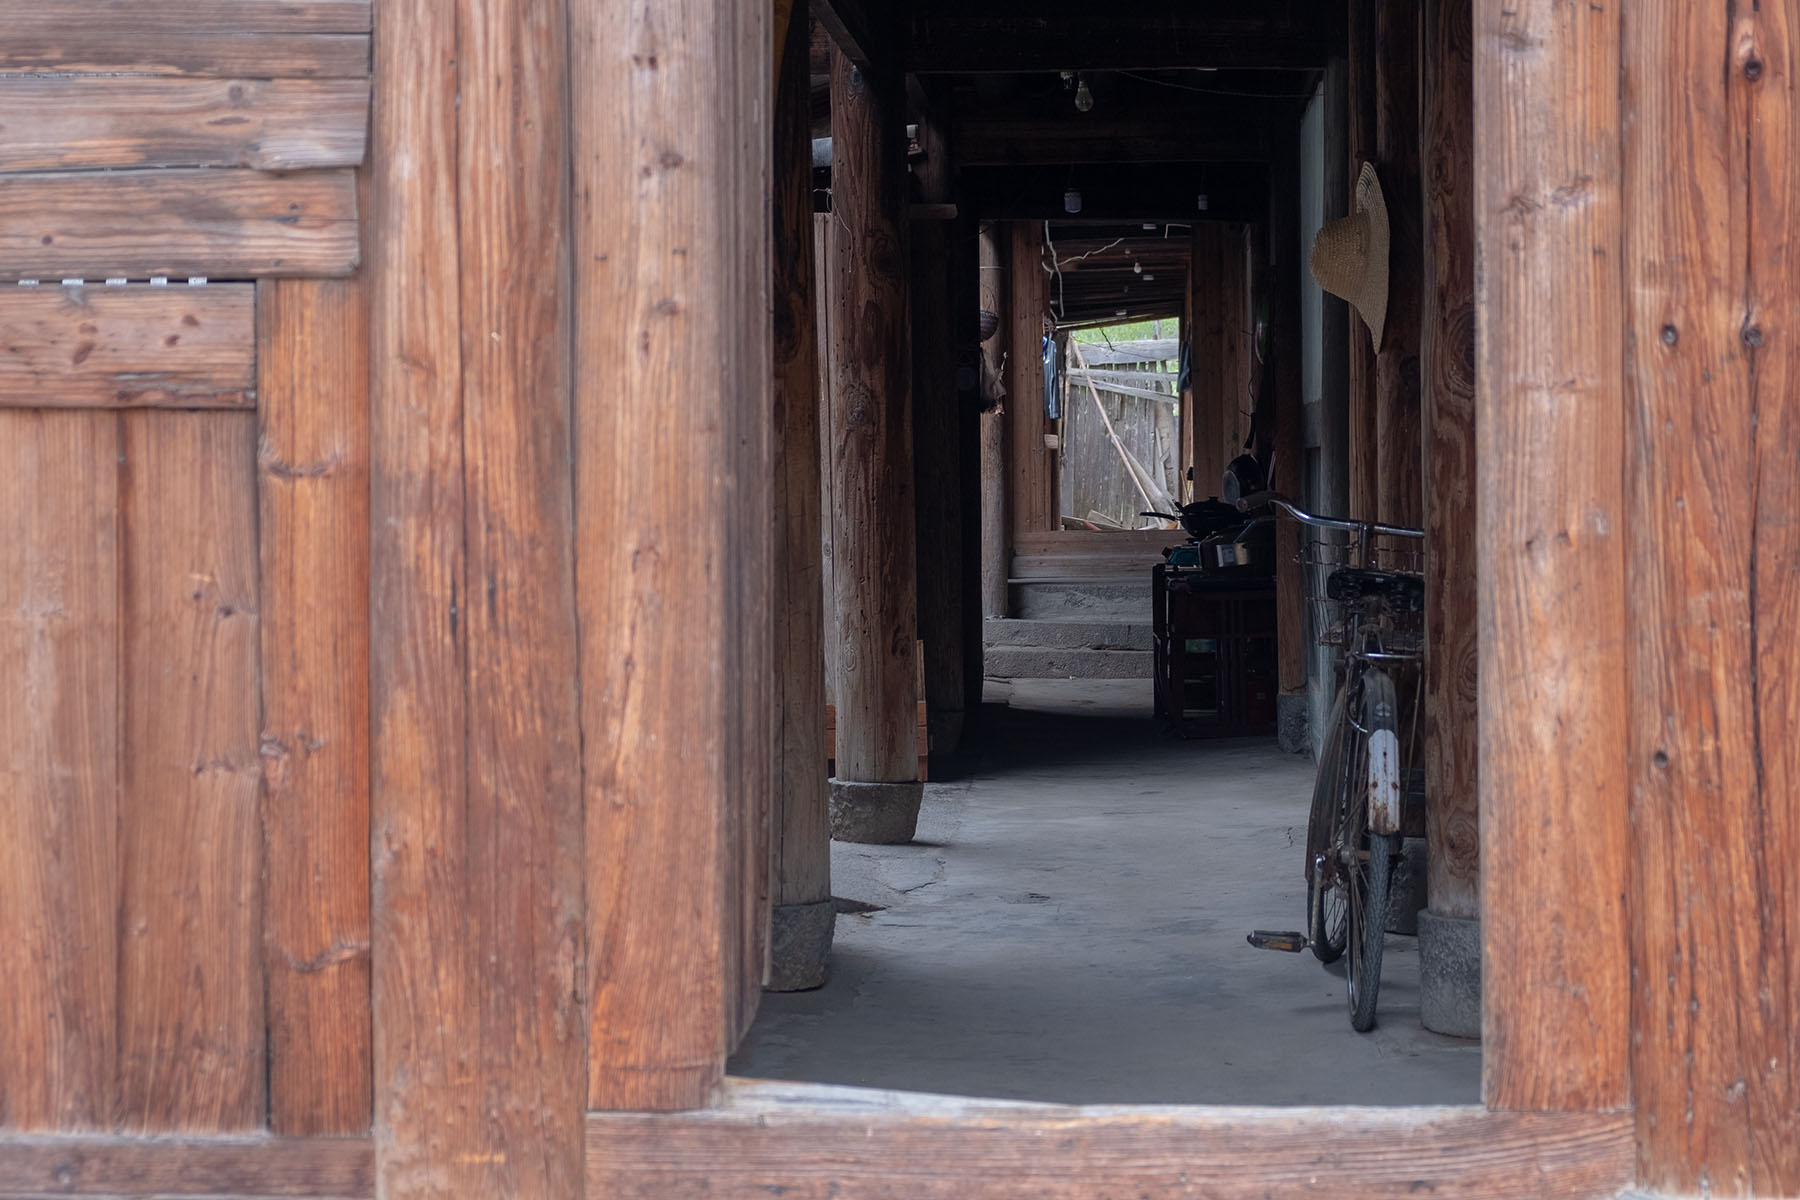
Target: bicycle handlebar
(1258,499)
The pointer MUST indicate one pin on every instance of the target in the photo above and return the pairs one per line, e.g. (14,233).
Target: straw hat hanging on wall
(1350,255)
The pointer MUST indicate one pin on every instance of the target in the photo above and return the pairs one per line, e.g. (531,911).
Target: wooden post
(1030,488)
(1551,579)
(1398,497)
(875,796)
(995,373)
(937,434)
(803,918)
(1220,308)
(673,475)
(1449,930)
(1713,607)
(1364,465)
(1292,638)
(476,795)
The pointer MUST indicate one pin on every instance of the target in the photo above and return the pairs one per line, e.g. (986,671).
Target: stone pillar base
(1450,974)
(879,814)
(800,945)
(1293,723)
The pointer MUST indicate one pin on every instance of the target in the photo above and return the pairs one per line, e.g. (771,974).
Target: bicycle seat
(1403,593)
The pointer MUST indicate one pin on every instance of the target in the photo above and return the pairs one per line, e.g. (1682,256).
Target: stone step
(1068,635)
(1044,662)
(1086,600)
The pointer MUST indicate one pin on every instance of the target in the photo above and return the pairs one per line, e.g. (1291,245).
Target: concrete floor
(1070,927)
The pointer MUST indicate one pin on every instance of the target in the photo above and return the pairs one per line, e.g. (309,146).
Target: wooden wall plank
(1551,581)
(1447,365)
(223,224)
(671,223)
(127,347)
(1708,334)
(191,1025)
(83,121)
(95,46)
(74,18)
(525,866)
(313,468)
(812,1142)
(427,1036)
(325,1168)
(59,753)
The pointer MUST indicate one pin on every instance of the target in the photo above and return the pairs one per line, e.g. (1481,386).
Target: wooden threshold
(806,1141)
(246,1168)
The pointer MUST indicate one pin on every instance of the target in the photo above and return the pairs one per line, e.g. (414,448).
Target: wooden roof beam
(1079,138)
(974,42)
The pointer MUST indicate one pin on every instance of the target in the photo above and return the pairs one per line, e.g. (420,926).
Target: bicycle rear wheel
(1327,898)
(1371,858)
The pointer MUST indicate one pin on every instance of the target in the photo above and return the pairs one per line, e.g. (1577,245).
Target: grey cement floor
(1070,927)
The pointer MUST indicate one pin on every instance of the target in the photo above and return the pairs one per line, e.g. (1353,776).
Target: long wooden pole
(1447,365)
(1363,463)
(876,794)
(802,920)
(1398,496)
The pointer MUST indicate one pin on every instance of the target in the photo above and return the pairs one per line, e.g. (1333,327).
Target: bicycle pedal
(1287,941)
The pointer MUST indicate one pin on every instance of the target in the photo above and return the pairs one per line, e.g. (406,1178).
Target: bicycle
(1366,589)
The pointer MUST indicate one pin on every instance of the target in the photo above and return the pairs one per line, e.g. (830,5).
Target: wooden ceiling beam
(870,33)
(976,42)
(1079,138)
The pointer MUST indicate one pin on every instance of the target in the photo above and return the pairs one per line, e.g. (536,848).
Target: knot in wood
(1670,335)
(1753,69)
(1753,336)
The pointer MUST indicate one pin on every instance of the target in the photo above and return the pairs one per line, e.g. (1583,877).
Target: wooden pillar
(1293,640)
(476,798)
(1712,623)
(995,292)
(1030,488)
(1364,464)
(1551,577)
(1452,994)
(965,286)
(1219,307)
(875,796)
(803,919)
(937,436)
(673,475)
(1398,496)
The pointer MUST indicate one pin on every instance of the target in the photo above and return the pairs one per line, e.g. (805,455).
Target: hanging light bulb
(1203,202)
(1137,268)
(1071,201)
(1084,99)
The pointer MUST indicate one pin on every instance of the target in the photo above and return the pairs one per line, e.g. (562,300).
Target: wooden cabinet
(1215,662)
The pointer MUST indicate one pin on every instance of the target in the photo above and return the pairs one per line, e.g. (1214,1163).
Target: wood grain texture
(1447,366)
(1028,493)
(873,514)
(801,830)
(671,237)
(810,1141)
(259,39)
(59,754)
(1364,467)
(1710,611)
(525,863)
(479,1057)
(995,242)
(84,121)
(313,474)
(1219,309)
(127,347)
(1399,498)
(824,277)
(318,1168)
(191,1023)
(1552,577)
(427,1039)
(223,224)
